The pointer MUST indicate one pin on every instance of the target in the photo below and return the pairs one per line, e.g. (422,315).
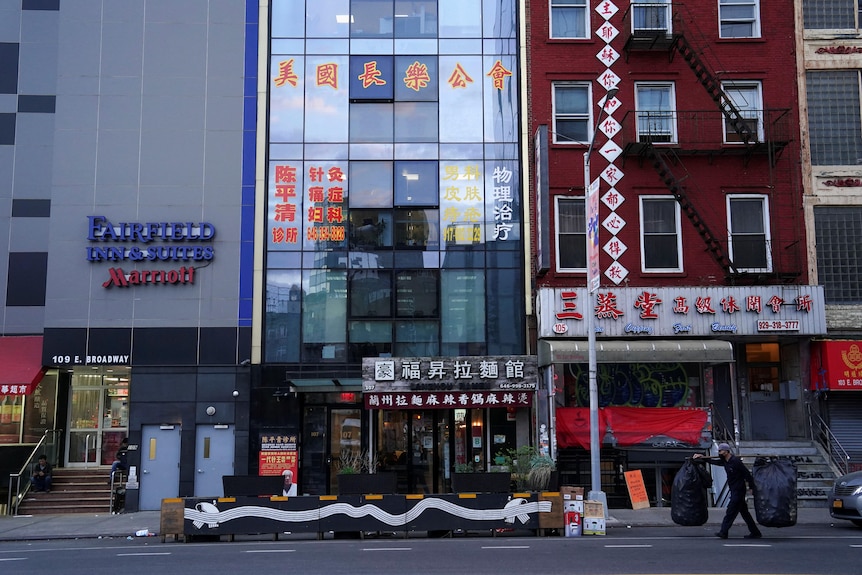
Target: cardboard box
(573,524)
(574,506)
(594,526)
(571,492)
(554,518)
(594,509)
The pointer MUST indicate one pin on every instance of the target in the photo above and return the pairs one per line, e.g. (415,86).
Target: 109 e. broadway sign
(143,242)
(449,382)
(683,311)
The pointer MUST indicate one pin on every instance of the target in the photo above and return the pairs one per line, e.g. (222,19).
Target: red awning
(836,365)
(20,364)
(630,425)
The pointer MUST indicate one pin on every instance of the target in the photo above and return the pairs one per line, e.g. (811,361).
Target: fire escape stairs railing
(739,123)
(678,190)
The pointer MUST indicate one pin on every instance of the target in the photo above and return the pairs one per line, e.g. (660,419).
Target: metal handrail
(821,433)
(16,491)
(720,431)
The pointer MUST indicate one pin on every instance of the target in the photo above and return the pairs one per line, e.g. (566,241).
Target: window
(749,240)
(656,112)
(569,19)
(572,118)
(747,99)
(739,18)
(834,122)
(829,14)
(838,235)
(571,238)
(650,17)
(661,237)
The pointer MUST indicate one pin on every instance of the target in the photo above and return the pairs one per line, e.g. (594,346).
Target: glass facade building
(394,222)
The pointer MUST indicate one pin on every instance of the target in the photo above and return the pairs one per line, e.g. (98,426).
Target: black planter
(382,482)
(482,482)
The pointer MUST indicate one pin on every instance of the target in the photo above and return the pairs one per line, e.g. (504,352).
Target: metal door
(214,452)
(159,473)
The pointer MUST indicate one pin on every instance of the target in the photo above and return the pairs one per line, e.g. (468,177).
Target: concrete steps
(814,473)
(73,491)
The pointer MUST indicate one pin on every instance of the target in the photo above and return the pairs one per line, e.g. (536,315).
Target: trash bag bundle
(775,499)
(688,503)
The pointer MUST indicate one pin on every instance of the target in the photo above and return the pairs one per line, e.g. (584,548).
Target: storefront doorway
(98,416)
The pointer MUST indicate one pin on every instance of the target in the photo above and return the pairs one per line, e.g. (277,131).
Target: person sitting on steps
(41,479)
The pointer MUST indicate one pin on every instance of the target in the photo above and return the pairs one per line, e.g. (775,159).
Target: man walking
(737,476)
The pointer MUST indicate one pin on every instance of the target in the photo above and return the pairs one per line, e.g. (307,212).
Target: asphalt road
(815,549)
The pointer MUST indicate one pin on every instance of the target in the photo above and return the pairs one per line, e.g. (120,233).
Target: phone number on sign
(786,325)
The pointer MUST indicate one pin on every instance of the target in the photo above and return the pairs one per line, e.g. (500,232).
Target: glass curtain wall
(394,201)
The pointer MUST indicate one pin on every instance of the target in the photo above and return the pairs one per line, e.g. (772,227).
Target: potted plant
(542,474)
(358,474)
(468,479)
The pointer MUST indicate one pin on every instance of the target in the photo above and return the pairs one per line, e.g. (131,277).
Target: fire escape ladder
(676,188)
(735,119)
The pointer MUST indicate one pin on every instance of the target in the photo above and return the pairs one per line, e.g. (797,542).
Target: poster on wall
(279,456)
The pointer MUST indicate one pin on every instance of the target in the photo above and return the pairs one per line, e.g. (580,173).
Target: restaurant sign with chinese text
(683,311)
(449,382)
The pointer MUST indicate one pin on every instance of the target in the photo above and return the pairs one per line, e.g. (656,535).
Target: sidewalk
(93,526)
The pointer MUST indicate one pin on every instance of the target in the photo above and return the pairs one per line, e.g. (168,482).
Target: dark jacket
(122,457)
(46,469)
(737,473)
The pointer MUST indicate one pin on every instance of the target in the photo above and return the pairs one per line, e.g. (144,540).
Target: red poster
(836,365)
(279,456)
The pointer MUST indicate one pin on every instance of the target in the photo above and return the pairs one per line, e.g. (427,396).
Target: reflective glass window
(371,123)
(370,185)
(416,183)
(416,122)
(372,18)
(417,293)
(416,78)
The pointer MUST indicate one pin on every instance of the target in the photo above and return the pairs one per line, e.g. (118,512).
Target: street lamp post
(595,493)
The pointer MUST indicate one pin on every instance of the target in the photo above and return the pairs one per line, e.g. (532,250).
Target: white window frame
(647,120)
(557,233)
(652,8)
(755,19)
(569,5)
(767,233)
(588,117)
(644,234)
(750,109)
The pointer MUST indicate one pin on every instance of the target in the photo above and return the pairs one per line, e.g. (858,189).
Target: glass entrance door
(98,418)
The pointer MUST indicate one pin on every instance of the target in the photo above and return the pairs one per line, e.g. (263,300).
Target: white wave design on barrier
(210,515)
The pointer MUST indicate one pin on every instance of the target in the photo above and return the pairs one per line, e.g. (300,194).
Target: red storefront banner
(836,365)
(448,399)
(631,425)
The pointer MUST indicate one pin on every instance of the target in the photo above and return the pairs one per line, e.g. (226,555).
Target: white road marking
(626,546)
(388,549)
(747,545)
(14,559)
(142,554)
(506,547)
(270,551)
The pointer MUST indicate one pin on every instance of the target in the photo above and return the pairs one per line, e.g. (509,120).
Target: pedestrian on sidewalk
(737,477)
(41,479)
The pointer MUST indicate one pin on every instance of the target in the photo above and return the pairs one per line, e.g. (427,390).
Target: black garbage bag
(775,498)
(688,502)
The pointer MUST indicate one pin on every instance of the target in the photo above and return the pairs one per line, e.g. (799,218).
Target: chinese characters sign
(836,365)
(454,375)
(447,400)
(318,207)
(684,311)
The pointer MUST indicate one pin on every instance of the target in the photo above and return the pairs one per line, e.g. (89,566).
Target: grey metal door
(214,452)
(159,475)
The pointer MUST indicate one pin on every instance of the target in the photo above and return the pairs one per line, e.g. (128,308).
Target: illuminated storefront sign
(688,311)
(150,242)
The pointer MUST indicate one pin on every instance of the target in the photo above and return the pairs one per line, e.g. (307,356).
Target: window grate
(834,122)
(829,14)
(838,233)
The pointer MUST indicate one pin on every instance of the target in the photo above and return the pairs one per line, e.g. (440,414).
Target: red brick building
(703,297)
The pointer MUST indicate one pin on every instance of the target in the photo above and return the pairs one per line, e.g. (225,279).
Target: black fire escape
(663,138)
